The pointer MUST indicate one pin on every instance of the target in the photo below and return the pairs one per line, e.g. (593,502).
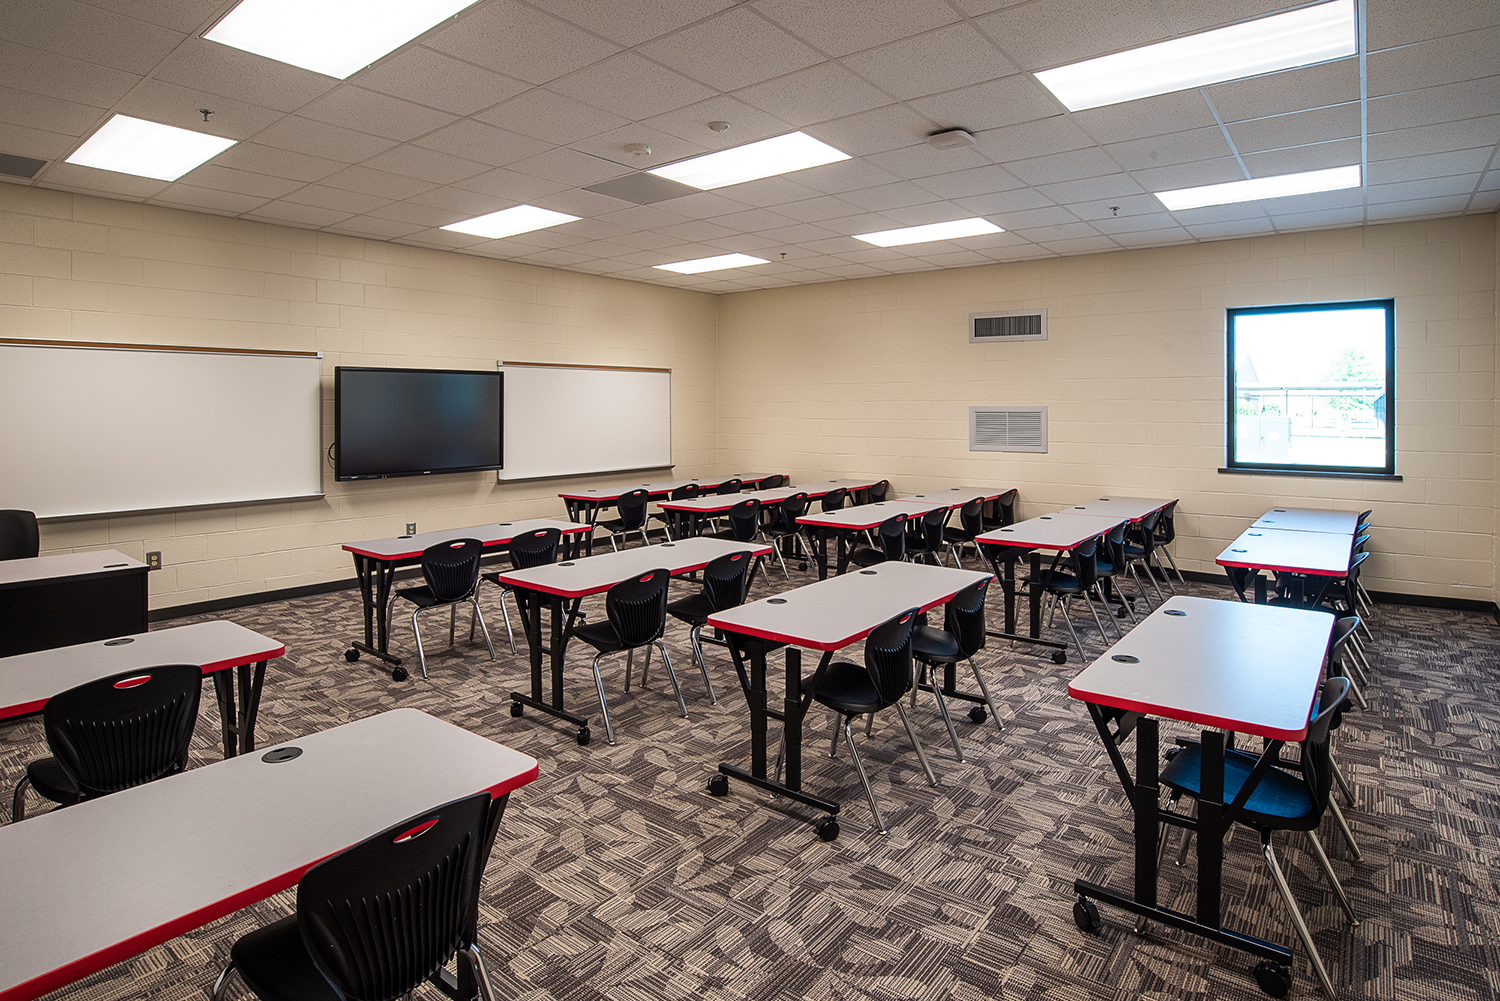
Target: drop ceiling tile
(321,139)
(33,71)
(1146,219)
(754,220)
(427,77)
(733,50)
(1153,238)
(482,143)
(1054,32)
(187,16)
(1450,59)
(820,208)
(1491,181)
(269,160)
(1466,134)
(1047,224)
(425,164)
(1398,22)
(990,105)
(889,196)
(34,111)
(1064,166)
(552,118)
(839,27)
(37,143)
(555,258)
(1107,186)
(1148,117)
(846,175)
(443,239)
(421,216)
(1030,139)
(922,161)
(966,183)
(1427,187)
(1419,209)
(695,231)
(506,186)
(956,259)
(894,126)
(770,191)
(588,204)
(515,40)
(665,148)
(221,178)
(1281,131)
(377,182)
(998,204)
(817,94)
(705,205)
(569,167)
(1189,16)
(1413,168)
(870,222)
(1175,147)
(1287,92)
(456,202)
(85,32)
(101,182)
(1190,175)
(1483,201)
(636,22)
(943,60)
(645,240)
(180,195)
(218,69)
(1321,219)
(348,202)
(1080,245)
(1231,230)
(746,123)
(169,104)
(376,114)
(304,216)
(1435,105)
(631,86)
(791,236)
(1316,156)
(1219,213)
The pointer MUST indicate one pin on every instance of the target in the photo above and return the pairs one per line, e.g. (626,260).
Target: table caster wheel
(584,736)
(516,709)
(398,674)
(718,785)
(1119,613)
(351,655)
(1086,915)
(1060,657)
(828,829)
(1273,978)
(801,566)
(978,715)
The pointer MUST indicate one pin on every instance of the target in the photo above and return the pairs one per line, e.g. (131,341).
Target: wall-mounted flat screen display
(415,421)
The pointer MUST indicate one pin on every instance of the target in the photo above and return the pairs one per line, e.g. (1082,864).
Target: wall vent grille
(1007,429)
(12,165)
(1011,325)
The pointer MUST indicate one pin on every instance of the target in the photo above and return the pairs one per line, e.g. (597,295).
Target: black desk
(52,601)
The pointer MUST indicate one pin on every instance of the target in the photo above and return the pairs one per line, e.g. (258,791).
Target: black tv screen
(415,421)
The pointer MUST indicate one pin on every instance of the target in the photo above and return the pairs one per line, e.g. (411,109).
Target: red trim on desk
(1252,565)
(674,571)
(1182,715)
(353,547)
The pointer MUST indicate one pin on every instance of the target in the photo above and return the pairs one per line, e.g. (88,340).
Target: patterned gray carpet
(616,876)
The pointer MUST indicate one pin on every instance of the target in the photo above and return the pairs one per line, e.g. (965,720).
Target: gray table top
(104,880)
(609,494)
(1308,519)
(403,547)
(592,574)
(961,495)
(711,503)
(1129,508)
(867,516)
(60,566)
(1052,531)
(1248,668)
(1322,554)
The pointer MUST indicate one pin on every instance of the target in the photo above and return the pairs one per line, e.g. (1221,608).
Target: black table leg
(252,679)
(531,616)
(224,690)
(1003,565)
(375,577)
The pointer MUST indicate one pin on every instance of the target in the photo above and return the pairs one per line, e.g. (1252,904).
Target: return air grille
(20,166)
(1013,325)
(1007,429)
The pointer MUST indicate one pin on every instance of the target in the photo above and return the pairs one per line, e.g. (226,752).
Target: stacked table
(1303,542)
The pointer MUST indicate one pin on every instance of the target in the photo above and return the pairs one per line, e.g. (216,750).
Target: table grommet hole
(1174,611)
(1125,658)
(565,564)
(119,642)
(1239,550)
(277,755)
(776,601)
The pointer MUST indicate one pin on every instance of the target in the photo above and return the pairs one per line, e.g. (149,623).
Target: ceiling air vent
(1011,325)
(1007,429)
(20,166)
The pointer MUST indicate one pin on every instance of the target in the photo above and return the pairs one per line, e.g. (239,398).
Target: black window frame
(1234,465)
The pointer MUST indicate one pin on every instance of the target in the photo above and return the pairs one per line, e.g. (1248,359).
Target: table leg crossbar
(530,604)
(1003,564)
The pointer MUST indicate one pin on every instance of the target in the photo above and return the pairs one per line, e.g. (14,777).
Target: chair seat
(1133,551)
(421,596)
(1060,581)
(50,781)
(1280,800)
(951,534)
(599,635)
(494,578)
(935,646)
(273,962)
(846,688)
(694,609)
(866,557)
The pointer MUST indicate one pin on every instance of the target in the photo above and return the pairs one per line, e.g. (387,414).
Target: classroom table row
(1300,543)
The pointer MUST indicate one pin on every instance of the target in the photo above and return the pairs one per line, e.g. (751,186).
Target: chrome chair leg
(18,801)
(1108,615)
(937,694)
(421,654)
(1167,553)
(1338,888)
(693,634)
(509,633)
(988,700)
(1343,826)
(223,981)
(481,975)
(483,626)
(453,620)
(681,703)
(1301,926)
(609,727)
(1343,783)
(833,746)
(1140,589)
(921,755)
(864,779)
(1077,643)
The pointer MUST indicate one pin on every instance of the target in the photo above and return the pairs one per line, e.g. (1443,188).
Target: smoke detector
(641,149)
(952,139)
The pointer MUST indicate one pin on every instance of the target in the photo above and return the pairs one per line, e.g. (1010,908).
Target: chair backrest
(19,538)
(888,657)
(1165,530)
(1317,770)
(1085,560)
(730,486)
(121,731)
(744,520)
(384,915)
(535,548)
(451,568)
(933,523)
(1114,548)
(688,492)
(833,500)
(632,507)
(971,517)
(892,533)
(878,491)
(1006,503)
(965,617)
(790,509)
(1145,533)
(637,607)
(725,579)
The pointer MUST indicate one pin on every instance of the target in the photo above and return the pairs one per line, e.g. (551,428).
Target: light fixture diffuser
(720,263)
(1268,44)
(752,161)
(1305,183)
(334,37)
(954,230)
(510,222)
(147,149)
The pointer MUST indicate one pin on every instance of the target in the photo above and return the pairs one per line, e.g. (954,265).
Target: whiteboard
(94,429)
(564,420)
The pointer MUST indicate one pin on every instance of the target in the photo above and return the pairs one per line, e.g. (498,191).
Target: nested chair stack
(1140,551)
(1005,508)
(781,525)
(1111,563)
(1074,575)
(636,617)
(531,549)
(961,637)
(19,538)
(925,536)
(725,581)
(1166,534)
(114,733)
(451,570)
(380,918)
(891,537)
(631,507)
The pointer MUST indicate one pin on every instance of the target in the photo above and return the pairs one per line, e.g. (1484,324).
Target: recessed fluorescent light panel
(510,222)
(932,231)
(719,263)
(147,149)
(1296,38)
(1306,183)
(334,37)
(752,161)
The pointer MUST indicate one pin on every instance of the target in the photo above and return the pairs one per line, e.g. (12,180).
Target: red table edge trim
(135,945)
(1221,561)
(1237,726)
(353,547)
(761,550)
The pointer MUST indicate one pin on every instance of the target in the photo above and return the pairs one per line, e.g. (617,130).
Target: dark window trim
(1388,472)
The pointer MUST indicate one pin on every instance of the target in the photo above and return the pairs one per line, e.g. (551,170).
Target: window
(1312,388)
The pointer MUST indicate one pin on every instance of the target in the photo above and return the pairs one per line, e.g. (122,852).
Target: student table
(697,509)
(51,601)
(1301,553)
(1223,665)
(1131,509)
(376,560)
(846,523)
(109,878)
(825,616)
(1307,519)
(1056,533)
(572,581)
(28,680)
(584,505)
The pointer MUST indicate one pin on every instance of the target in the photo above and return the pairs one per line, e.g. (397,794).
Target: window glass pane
(1310,387)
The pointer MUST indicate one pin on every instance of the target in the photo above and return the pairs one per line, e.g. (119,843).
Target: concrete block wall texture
(74,267)
(875,376)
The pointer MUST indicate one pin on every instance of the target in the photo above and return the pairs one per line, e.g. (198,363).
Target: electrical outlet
(411,528)
(153,560)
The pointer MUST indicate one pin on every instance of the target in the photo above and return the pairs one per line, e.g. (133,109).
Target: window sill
(1325,474)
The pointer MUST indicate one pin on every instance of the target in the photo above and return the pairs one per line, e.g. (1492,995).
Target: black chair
(961,637)
(781,524)
(970,524)
(19,538)
(451,570)
(744,521)
(679,524)
(637,617)
(114,733)
(377,919)
(833,500)
(1078,580)
(1284,800)
(892,536)
(1166,534)
(632,508)
(877,493)
(730,486)
(531,549)
(725,580)
(1140,549)
(1110,564)
(853,690)
(926,537)
(1005,507)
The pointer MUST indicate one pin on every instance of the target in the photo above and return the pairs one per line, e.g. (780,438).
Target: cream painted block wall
(74,267)
(875,377)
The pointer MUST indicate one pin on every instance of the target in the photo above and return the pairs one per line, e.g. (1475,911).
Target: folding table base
(519,702)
